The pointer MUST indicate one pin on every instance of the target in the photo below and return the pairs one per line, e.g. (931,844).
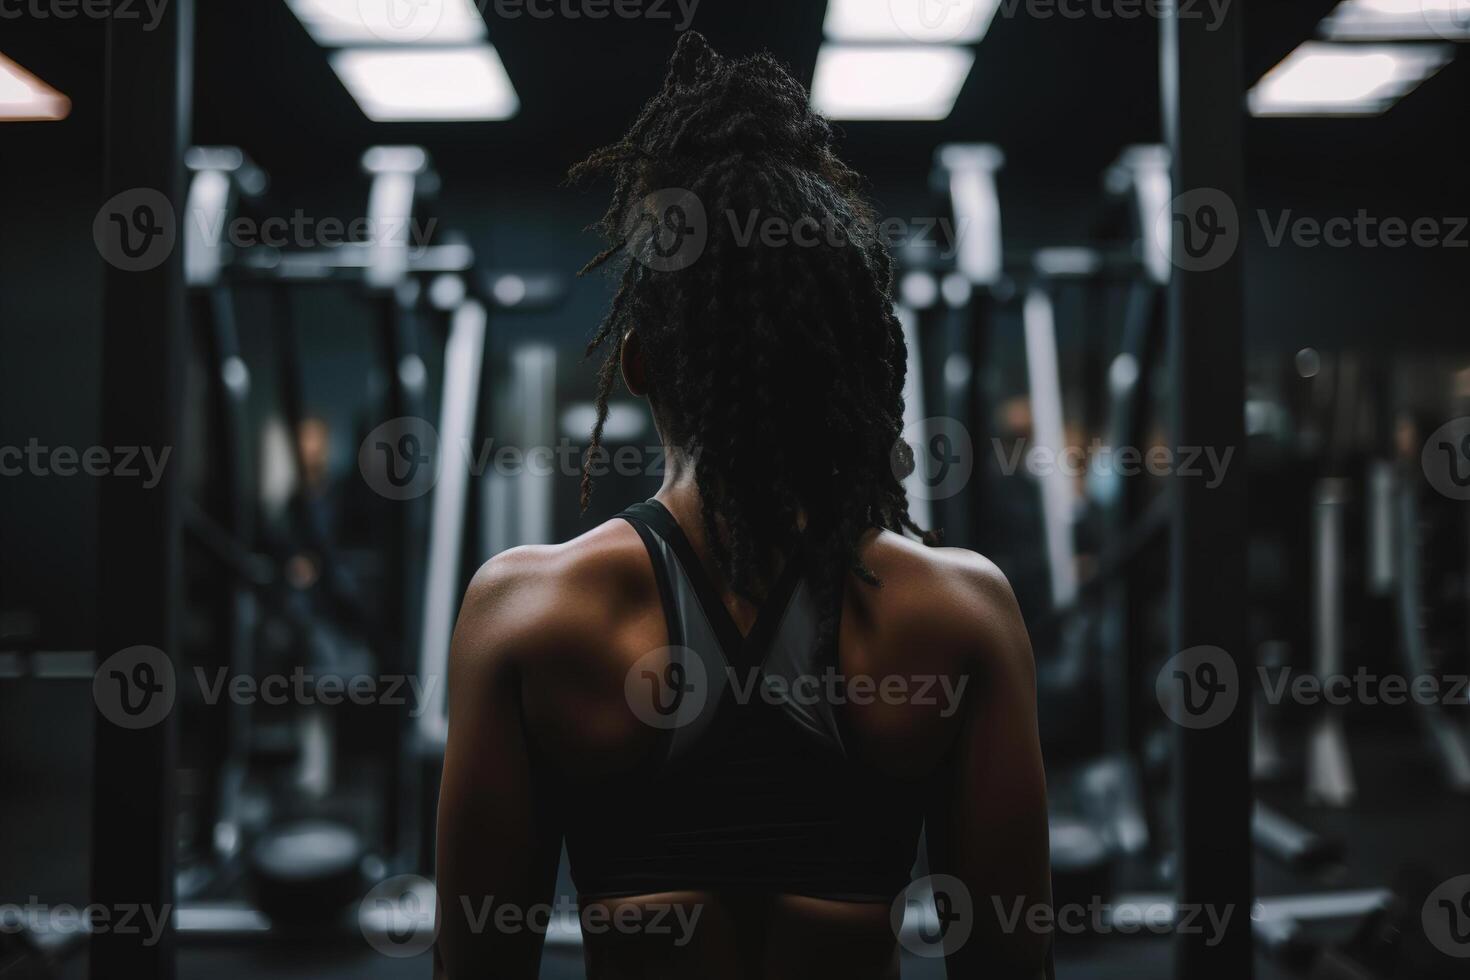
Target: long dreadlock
(777,364)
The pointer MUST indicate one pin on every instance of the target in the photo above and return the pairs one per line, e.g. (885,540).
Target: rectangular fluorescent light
(335,23)
(1324,79)
(416,84)
(877,82)
(924,21)
(1398,20)
(25,98)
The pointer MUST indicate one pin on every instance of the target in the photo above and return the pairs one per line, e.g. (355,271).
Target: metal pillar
(149,87)
(1203,91)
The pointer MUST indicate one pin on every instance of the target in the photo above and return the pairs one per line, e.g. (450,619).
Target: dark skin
(544,641)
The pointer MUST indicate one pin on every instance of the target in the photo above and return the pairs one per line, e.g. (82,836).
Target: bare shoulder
(950,598)
(542,599)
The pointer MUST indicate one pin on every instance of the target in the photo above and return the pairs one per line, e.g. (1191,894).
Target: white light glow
(1398,20)
(625,421)
(925,21)
(918,82)
(25,98)
(334,23)
(1334,79)
(404,85)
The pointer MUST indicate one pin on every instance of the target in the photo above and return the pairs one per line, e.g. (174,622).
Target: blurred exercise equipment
(298,604)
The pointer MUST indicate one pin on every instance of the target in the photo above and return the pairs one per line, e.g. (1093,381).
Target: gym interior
(293,340)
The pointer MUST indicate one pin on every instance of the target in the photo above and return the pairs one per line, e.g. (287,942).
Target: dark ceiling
(1062,96)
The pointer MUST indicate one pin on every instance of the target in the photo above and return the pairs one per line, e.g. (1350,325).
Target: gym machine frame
(417,642)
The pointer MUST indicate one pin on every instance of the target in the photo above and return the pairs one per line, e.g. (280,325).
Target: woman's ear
(635,372)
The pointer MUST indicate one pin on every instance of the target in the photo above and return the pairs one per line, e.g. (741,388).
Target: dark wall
(50,329)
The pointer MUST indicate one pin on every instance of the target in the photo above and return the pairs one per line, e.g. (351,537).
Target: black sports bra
(751,789)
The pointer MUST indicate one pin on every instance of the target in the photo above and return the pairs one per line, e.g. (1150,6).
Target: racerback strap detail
(792,656)
(708,646)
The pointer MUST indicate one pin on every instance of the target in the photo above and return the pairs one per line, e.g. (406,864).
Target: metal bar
(149,87)
(349,262)
(1202,98)
(407,398)
(915,410)
(1446,737)
(1329,767)
(464,356)
(1289,842)
(955,395)
(1043,370)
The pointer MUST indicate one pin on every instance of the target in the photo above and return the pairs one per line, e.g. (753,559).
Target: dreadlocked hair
(776,364)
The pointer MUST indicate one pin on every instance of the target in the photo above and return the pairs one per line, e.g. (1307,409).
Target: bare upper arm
(534,612)
(988,821)
(498,842)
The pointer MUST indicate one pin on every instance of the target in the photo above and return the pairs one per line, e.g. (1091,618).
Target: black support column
(149,84)
(1203,101)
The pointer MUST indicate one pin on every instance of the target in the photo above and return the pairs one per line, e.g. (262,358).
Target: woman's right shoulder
(560,597)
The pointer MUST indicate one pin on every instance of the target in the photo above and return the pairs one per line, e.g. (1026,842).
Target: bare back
(538,693)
